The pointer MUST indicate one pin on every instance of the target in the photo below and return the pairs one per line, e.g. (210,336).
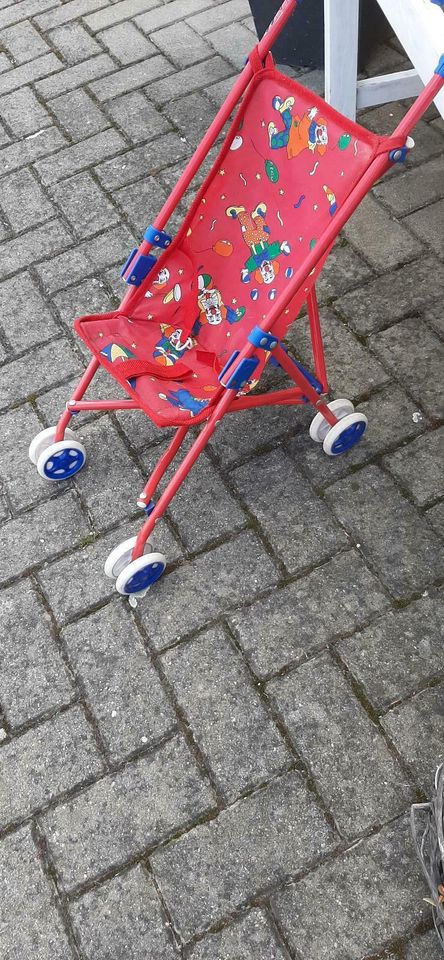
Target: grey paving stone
(121,170)
(244,433)
(248,938)
(120,682)
(84,205)
(23,113)
(234,42)
(79,115)
(435,317)
(34,677)
(343,270)
(31,924)
(181,44)
(44,762)
(136,75)
(25,317)
(75,76)
(137,117)
(366,884)
(303,617)
(398,653)
(427,225)
(189,79)
(44,241)
(123,918)
(359,779)
(297,523)
(193,508)
(34,146)
(351,371)
(384,119)
(416,730)
(390,421)
(88,257)
(116,13)
(23,201)
(435,516)
(26,9)
(192,115)
(125,813)
(141,432)
(74,43)
(88,296)
(17,428)
(69,11)
(33,372)
(390,298)
(215,868)
(112,482)
(228,719)
(24,42)
(393,537)
(27,540)
(76,158)
(419,467)
(216,16)
(415,188)
(29,73)
(52,402)
(141,202)
(126,43)
(383,241)
(414,354)
(77,582)
(425,947)
(198,592)
(161,16)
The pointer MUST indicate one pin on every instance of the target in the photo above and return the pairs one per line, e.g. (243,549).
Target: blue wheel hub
(348,438)
(64,464)
(144,578)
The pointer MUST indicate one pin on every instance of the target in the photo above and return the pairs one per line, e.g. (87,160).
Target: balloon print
(223,248)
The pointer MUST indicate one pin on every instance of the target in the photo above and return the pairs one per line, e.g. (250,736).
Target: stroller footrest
(137,268)
(240,374)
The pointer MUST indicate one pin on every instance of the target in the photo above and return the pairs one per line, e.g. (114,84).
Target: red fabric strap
(130,369)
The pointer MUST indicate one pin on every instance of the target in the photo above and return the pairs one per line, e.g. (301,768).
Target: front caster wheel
(43,440)
(319,426)
(134,577)
(345,434)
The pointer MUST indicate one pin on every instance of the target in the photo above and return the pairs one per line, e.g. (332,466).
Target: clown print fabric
(288,165)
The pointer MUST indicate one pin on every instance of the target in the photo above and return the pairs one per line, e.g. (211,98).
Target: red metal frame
(228,401)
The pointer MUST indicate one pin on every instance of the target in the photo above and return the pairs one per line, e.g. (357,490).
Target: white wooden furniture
(418,24)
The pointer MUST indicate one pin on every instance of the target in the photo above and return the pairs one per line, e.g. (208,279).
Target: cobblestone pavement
(224,773)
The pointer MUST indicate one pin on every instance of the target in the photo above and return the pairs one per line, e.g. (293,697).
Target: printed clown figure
(212,309)
(331,199)
(160,282)
(308,132)
(169,349)
(262,263)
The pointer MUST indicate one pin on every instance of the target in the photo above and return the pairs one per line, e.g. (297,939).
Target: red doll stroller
(192,335)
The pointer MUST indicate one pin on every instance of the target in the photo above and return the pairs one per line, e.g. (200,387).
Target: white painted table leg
(341,54)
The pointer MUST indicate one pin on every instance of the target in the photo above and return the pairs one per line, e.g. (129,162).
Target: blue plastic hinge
(260,338)
(308,376)
(440,67)
(240,375)
(399,155)
(157,237)
(137,268)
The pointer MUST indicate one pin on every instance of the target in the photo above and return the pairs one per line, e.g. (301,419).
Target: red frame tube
(82,385)
(163,464)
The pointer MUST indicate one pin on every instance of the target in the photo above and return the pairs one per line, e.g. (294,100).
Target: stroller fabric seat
(288,164)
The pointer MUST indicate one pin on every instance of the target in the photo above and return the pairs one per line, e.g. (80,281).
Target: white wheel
(345,434)
(43,440)
(120,557)
(139,575)
(319,426)
(61,460)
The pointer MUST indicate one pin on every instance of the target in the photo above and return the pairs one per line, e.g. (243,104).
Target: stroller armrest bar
(440,68)
(157,238)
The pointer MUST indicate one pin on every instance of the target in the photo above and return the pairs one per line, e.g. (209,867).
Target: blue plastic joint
(137,268)
(399,155)
(260,338)
(157,237)
(439,3)
(241,373)
(313,381)
(440,67)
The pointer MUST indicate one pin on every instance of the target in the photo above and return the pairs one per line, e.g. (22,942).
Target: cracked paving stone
(250,938)
(31,926)
(361,913)
(228,719)
(45,761)
(125,813)
(415,727)
(299,619)
(122,918)
(120,683)
(398,653)
(34,678)
(217,867)
(360,781)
